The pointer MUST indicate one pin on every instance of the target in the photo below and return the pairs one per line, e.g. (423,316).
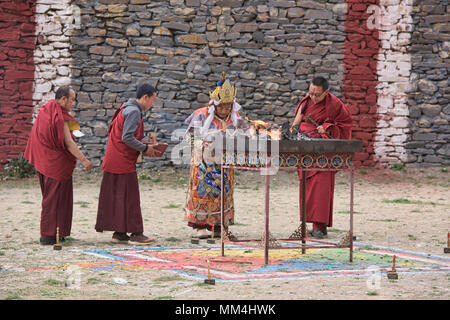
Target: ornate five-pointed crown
(225,92)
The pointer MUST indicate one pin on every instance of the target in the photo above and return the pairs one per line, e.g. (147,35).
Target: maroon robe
(47,152)
(119,207)
(336,119)
(57,206)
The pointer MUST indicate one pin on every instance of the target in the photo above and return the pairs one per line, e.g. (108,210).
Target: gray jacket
(132,114)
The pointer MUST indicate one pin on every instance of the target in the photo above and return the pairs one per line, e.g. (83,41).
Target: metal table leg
(266,232)
(351,212)
(303,209)
(222,218)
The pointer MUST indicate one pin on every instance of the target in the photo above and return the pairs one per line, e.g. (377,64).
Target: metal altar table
(304,155)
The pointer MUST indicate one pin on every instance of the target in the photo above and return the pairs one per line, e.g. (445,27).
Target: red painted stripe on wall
(17,44)
(360,75)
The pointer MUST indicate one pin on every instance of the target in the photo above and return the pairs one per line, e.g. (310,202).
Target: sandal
(140,238)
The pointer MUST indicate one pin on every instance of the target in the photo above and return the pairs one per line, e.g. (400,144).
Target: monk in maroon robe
(332,119)
(119,207)
(51,149)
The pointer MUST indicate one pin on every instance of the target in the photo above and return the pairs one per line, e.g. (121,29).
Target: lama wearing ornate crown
(202,208)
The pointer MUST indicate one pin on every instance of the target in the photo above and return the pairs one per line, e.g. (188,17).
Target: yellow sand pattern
(281,254)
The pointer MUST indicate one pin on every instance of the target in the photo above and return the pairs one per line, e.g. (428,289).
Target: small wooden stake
(393,273)
(57,246)
(447,250)
(209,280)
(211,241)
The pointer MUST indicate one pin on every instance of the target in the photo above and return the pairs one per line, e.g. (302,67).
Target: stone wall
(386,59)
(269,50)
(429,98)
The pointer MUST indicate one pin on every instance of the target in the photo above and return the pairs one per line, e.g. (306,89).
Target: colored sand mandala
(242,263)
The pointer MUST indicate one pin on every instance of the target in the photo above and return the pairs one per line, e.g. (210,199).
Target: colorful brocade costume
(202,208)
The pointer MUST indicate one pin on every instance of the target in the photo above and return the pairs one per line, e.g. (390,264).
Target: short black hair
(64,91)
(145,89)
(320,82)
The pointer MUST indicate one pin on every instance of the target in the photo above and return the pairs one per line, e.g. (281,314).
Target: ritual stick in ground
(393,273)
(212,241)
(447,250)
(209,280)
(57,246)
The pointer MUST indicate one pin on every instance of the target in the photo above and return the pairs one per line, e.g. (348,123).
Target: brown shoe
(319,234)
(120,237)
(139,238)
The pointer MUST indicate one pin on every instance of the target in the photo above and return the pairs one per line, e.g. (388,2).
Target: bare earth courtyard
(407,210)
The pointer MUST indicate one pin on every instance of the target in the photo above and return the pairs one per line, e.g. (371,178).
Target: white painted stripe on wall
(55,22)
(394,68)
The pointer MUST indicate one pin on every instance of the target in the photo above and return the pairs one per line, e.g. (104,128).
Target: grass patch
(17,169)
(13,296)
(173,239)
(348,212)
(384,220)
(337,230)
(93,281)
(163,298)
(240,224)
(407,201)
(168,278)
(82,204)
(172,205)
(398,167)
(53,282)
(27,202)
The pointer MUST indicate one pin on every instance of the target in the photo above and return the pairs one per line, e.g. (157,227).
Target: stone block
(318,14)
(101,50)
(431,110)
(424,136)
(123,43)
(194,38)
(245,27)
(295,12)
(426,86)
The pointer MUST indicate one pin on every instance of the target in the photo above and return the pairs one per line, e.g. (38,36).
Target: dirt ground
(406,209)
